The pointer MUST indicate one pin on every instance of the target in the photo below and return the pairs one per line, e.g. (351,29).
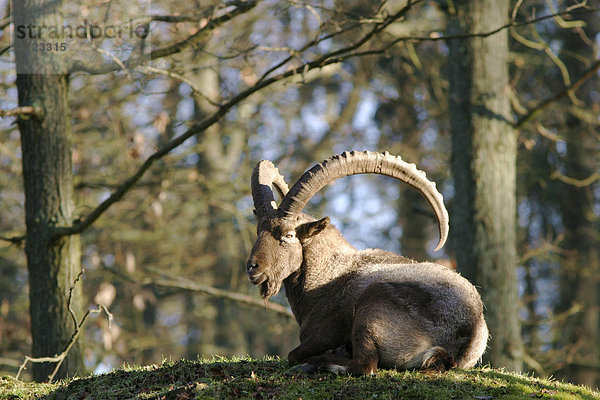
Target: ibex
(360,310)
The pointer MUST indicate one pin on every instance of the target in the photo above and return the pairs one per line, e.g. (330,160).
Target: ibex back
(361,309)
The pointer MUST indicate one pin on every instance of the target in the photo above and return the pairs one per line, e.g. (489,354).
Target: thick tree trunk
(579,276)
(484,150)
(53,265)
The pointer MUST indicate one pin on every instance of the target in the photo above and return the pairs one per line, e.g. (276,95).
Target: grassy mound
(271,378)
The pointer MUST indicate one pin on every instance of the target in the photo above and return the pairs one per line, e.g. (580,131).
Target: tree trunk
(53,265)
(484,150)
(579,276)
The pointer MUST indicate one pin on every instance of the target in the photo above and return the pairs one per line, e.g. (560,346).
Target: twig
(115,59)
(314,42)
(548,247)
(16,240)
(58,359)
(61,357)
(588,74)
(108,185)
(24,110)
(5,21)
(576,182)
(70,298)
(179,77)
(242,7)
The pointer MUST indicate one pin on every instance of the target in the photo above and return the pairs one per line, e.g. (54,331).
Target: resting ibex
(361,309)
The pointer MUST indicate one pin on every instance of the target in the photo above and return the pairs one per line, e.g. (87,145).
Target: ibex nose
(251,267)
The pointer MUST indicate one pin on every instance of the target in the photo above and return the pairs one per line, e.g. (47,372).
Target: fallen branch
(58,359)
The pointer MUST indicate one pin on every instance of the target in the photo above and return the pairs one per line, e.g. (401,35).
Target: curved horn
(352,163)
(264,175)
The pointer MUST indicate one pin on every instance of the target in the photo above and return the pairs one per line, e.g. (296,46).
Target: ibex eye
(290,235)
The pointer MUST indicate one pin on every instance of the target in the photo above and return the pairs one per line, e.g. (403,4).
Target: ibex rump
(361,309)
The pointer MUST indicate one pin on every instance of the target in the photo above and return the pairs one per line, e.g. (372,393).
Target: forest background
(152,185)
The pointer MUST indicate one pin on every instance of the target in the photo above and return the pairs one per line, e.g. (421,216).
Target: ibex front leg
(311,346)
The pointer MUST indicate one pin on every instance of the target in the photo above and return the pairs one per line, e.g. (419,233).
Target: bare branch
(5,21)
(314,42)
(588,74)
(70,298)
(204,289)
(241,7)
(576,182)
(20,111)
(61,357)
(223,294)
(333,57)
(179,77)
(16,240)
(545,249)
(511,24)
(176,18)
(108,185)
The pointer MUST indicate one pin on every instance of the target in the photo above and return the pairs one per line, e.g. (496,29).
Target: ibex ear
(310,229)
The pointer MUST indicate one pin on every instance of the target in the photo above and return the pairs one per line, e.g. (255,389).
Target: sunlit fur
(363,309)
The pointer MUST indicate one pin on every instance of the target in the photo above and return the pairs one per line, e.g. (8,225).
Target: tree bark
(579,275)
(484,150)
(53,265)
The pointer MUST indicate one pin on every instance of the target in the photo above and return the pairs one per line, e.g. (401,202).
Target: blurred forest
(167,258)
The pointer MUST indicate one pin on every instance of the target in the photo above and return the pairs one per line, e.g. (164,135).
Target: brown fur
(360,310)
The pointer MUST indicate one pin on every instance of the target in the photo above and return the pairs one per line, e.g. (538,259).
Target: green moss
(12,389)
(244,378)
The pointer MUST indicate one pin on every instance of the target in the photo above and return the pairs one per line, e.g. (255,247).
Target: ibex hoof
(336,369)
(306,367)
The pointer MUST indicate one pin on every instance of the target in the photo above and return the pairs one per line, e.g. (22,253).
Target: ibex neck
(325,258)
(325,263)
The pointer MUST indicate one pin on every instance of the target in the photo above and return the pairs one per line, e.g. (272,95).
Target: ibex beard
(360,310)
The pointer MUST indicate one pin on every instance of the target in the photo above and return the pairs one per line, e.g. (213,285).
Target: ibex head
(284,231)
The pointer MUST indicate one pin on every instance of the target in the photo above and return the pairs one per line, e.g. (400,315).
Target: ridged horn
(366,162)
(264,176)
